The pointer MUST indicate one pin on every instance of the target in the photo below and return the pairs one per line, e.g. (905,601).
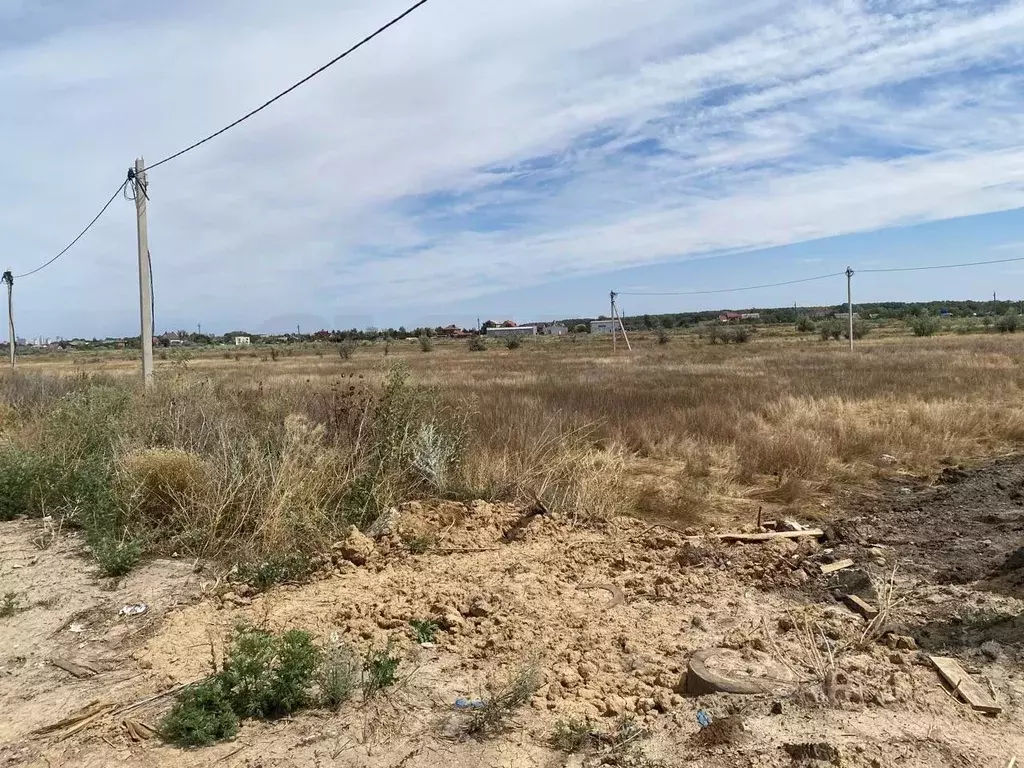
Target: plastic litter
(463,703)
(133,610)
(703,718)
(76,627)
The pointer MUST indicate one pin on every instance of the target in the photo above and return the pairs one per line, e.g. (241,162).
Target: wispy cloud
(489,146)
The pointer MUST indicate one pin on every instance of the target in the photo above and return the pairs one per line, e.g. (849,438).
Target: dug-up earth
(613,616)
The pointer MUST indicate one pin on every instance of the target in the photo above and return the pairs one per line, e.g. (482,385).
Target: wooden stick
(769,536)
(168,692)
(78,670)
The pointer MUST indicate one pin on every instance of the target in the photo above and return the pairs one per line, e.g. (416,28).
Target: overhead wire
(729,290)
(80,235)
(291,88)
(945,266)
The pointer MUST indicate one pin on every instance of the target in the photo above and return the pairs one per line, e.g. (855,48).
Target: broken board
(838,566)
(865,609)
(769,536)
(964,685)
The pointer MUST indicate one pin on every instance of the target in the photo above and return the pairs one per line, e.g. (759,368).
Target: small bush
(663,337)
(116,555)
(347,348)
(419,545)
(573,735)
(9,605)
(267,675)
(963,328)
(1007,323)
(275,569)
(805,324)
(380,670)
(830,329)
(338,674)
(426,344)
(924,325)
(273,354)
(435,455)
(424,630)
(477,344)
(513,342)
(201,715)
(860,329)
(503,700)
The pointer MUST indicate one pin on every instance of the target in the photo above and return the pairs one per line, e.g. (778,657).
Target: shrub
(477,344)
(347,348)
(426,344)
(338,674)
(380,670)
(502,701)
(963,328)
(830,329)
(924,325)
(201,715)
(581,328)
(860,329)
(276,568)
(513,342)
(1007,323)
(663,337)
(115,556)
(273,354)
(573,735)
(424,630)
(9,606)
(805,324)
(267,675)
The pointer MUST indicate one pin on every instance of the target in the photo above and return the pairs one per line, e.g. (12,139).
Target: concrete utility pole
(614,344)
(849,303)
(145,275)
(9,279)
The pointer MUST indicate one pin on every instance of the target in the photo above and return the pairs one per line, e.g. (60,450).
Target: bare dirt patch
(500,601)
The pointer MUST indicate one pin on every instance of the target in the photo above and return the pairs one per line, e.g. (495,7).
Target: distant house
(555,329)
(513,330)
(602,326)
(730,317)
(511,324)
(750,316)
(242,341)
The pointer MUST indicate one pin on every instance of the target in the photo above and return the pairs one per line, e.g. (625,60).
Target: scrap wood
(769,536)
(865,609)
(837,566)
(138,730)
(150,699)
(964,685)
(85,669)
(78,720)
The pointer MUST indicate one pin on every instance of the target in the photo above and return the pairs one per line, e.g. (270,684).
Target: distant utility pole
(298,330)
(199,328)
(145,273)
(9,279)
(849,303)
(616,317)
(612,295)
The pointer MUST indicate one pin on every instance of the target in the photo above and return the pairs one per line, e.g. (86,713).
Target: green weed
(380,670)
(201,715)
(338,675)
(266,675)
(425,630)
(9,606)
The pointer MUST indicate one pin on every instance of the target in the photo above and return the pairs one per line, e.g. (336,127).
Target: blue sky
(507,159)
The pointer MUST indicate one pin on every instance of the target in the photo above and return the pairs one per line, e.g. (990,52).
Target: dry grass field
(237,492)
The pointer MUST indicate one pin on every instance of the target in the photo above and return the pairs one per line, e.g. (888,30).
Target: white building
(555,329)
(602,326)
(515,330)
(242,341)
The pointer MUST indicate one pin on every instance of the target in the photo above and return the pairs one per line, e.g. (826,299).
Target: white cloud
(483,146)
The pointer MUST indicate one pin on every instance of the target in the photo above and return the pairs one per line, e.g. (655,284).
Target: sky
(506,159)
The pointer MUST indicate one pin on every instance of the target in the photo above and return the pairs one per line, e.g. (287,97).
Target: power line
(81,234)
(291,88)
(945,266)
(732,290)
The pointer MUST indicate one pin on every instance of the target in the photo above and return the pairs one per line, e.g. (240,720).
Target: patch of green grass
(425,630)
(380,670)
(573,735)
(9,605)
(202,715)
(420,545)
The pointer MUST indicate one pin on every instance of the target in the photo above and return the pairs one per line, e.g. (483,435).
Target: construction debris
(769,536)
(79,720)
(82,670)
(964,686)
(700,680)
(837,566)
(862,607)
(137,730)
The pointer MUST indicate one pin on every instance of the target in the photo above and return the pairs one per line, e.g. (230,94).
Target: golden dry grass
(685,429)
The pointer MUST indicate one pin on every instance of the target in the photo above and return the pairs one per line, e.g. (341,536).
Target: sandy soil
(541,595)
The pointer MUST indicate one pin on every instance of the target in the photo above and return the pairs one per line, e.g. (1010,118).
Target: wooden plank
(78,670)
(769,536)
(964,685)
(838,566)
(865,609)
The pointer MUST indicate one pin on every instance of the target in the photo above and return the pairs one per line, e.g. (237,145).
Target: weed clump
(338,674)
(266,675)
(9,605)
(424,630)
(202,715)
(380,670)
(477,344)
(502,701)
